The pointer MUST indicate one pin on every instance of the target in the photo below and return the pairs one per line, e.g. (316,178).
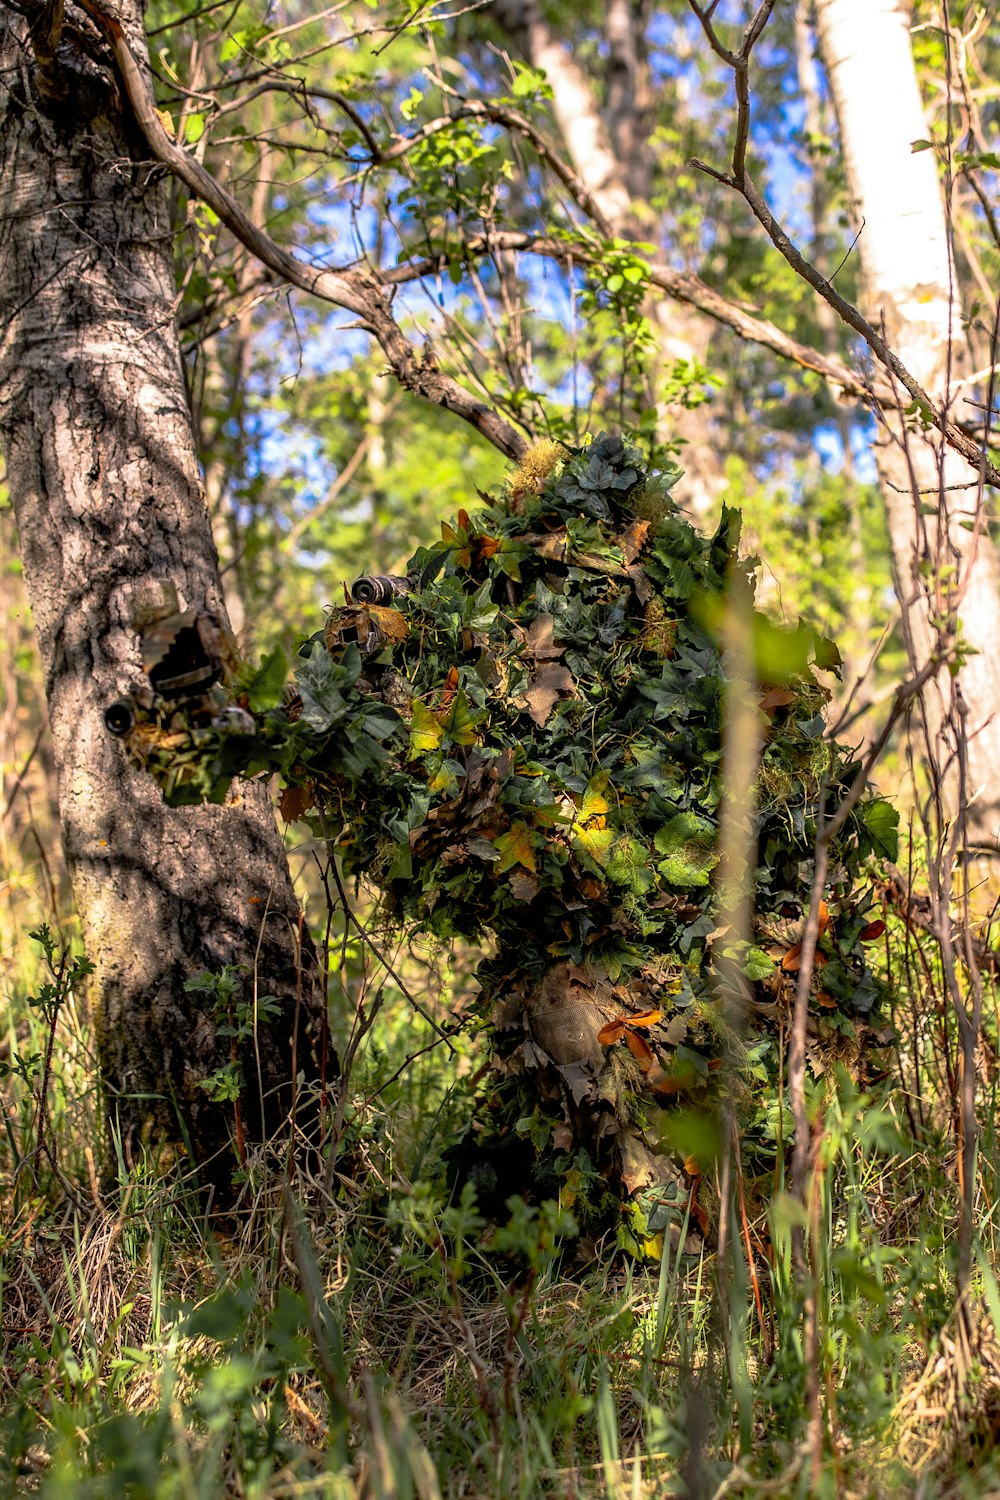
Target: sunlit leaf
(426,732)
(516,847)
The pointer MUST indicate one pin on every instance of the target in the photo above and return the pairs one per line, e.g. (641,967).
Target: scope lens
(369,590)
(119,717)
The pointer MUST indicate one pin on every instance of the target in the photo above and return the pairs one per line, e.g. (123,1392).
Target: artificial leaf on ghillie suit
(522,739)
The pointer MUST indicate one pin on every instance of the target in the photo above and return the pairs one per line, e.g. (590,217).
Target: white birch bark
(908,281)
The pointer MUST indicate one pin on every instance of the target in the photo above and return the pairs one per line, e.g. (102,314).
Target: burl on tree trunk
(102,470)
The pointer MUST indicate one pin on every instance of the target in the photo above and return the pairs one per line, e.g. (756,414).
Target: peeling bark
(101,466)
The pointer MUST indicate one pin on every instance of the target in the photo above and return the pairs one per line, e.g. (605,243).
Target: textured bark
(909,284)
(101,466)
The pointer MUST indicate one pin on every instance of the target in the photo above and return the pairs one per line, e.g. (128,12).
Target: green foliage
(527,745)
(236,1018)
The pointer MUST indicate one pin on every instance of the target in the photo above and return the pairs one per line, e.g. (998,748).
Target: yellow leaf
(516,847)
(594,804)
(596,842)
(459,723)
(590,830)
(426,731)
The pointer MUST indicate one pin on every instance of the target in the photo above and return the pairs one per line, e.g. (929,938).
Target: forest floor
(353,1330)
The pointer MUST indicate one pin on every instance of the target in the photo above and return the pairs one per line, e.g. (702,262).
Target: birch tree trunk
(909,283)
(102,471)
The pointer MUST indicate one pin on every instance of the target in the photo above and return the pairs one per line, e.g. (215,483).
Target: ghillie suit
(523,739)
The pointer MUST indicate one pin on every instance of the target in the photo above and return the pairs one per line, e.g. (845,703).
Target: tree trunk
(909,283)
(102,471)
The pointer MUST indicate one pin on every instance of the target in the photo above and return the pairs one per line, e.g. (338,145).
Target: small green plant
(237,1018)
(66,973)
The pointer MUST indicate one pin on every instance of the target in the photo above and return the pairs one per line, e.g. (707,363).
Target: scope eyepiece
(119,717)
(379,588)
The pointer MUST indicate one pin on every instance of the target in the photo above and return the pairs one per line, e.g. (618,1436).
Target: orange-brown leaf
(872,931)
(643,1018)
(450,687)
(640,1050)
(295,800)
(776,698)
(667,1083)
(792,961)
(611,1032)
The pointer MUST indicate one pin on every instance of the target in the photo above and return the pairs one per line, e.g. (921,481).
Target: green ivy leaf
(322,683)
(687,845)
(265,687)
(881,822)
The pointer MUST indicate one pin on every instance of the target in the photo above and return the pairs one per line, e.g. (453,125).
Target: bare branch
(355,290)
(739,179)
(471,109)
(682,286)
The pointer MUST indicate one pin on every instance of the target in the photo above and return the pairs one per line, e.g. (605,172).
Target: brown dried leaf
(611,1032)
(639,1166)
(641,584)
(676,1030)
(390,622)
(523,885)
(633,539)
(295,800)
(640,1050)
(539,639)
(544,690)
